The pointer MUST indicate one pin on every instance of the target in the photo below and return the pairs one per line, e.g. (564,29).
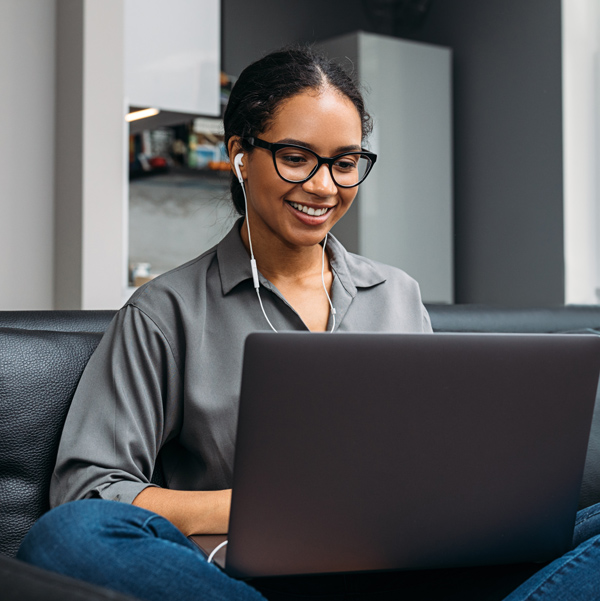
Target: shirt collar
(234,260)
(352,270)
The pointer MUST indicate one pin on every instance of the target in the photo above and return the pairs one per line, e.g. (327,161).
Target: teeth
(309,210)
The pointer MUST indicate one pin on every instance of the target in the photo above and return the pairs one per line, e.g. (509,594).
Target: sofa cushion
(39,371)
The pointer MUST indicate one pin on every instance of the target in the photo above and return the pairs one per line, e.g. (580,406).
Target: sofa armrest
(39,372)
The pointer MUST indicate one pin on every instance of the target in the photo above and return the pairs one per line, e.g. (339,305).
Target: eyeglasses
(296,164)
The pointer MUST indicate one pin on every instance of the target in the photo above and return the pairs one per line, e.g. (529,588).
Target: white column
(580,29)
(90,155)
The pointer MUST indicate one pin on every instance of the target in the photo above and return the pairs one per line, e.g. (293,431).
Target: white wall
(581,44)
(27,84)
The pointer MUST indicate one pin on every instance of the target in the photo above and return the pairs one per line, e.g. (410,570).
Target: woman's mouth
(309,210)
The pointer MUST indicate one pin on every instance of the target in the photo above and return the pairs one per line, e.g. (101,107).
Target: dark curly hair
(266,83)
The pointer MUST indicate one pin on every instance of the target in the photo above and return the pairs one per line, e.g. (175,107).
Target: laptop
(371,452)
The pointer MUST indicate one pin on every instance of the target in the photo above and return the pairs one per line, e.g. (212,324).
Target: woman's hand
(193,512)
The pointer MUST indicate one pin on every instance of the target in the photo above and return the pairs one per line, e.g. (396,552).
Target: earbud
(237,162)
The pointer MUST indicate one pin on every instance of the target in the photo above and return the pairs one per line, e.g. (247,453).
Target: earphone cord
(216,550)
(255,270)
(263,310)
(325,287)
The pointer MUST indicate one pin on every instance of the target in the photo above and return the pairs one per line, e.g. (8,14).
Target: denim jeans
(576,575)
(134,551)
(127,549)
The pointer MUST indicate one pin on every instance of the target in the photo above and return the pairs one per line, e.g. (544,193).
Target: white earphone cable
(325,287)
(216,550)
(255,269)
(263,310)
(252,259)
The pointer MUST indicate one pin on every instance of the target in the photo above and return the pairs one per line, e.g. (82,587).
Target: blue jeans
(134,551)
(127,549)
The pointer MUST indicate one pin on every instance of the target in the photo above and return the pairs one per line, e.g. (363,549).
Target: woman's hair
(265,84)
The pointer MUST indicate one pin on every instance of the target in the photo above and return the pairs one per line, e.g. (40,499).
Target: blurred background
(486,123)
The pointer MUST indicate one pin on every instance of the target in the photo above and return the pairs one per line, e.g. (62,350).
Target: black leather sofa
(42,355)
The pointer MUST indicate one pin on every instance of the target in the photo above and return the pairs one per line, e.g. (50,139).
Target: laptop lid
(360,451)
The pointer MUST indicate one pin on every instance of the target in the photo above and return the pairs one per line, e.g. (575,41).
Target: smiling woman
(263,87)
(322,120)
(290,219)
(163,386)
(166,375)
(300,133)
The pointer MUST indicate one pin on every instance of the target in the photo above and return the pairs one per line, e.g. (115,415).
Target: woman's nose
(321,183)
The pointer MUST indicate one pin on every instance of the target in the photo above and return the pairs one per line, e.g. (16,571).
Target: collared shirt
(166,375)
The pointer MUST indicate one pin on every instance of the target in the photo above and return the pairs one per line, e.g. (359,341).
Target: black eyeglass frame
(329,161)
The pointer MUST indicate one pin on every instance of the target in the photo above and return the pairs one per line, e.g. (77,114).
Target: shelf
(181,177)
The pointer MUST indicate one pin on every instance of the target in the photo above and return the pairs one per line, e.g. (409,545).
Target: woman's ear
(234,147)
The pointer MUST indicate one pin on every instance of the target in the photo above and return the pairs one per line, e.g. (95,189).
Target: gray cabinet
(403,212)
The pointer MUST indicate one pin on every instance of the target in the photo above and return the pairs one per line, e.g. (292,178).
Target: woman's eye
(293,159)
(345,164)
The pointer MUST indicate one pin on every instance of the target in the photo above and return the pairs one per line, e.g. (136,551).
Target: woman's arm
(193,512)
(128,404)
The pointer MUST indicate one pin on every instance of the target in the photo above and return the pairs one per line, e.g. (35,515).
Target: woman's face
(326,122)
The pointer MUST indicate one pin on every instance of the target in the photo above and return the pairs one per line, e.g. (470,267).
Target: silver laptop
(360,452)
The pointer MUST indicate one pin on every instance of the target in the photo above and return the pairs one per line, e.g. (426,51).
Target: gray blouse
(166,375)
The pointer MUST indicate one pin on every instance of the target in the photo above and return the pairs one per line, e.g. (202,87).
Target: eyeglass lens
(295,165)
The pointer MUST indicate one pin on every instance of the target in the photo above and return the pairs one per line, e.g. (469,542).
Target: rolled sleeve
(123,491)
(125,408)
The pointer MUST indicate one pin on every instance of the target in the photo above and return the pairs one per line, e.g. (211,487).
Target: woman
(166,375)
